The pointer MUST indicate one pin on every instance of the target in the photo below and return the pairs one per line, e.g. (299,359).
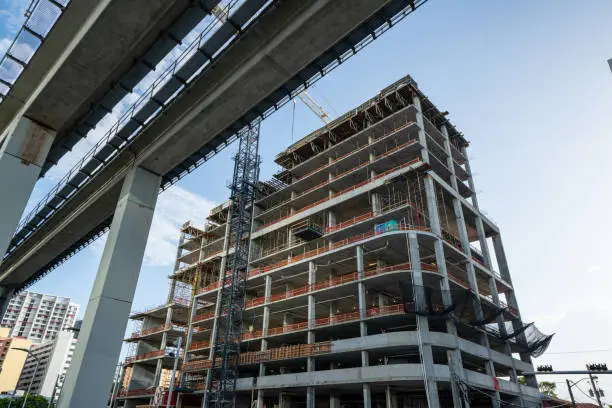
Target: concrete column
(22,155)
(431,386)
(334,399)
(453,355)
(381,300)
(465,244)
(450,163)
(90,375)
(367,396)
(264,329)
(502,263)
(266,314)
(284,400)
(500,255)
(372,159)
(310,363)
(222,267)
(482,239)
(310,397)
(468,170)
(376,204)
(362,302)
(390,398)
(331,218)
(421,124)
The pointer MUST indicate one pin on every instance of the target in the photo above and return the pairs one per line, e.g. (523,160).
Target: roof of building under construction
(335,131)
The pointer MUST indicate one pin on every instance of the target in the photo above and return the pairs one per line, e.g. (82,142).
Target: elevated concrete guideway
(94,55)
(290,43)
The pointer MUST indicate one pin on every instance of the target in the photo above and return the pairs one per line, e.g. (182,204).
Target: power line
(579,351)
(585,394)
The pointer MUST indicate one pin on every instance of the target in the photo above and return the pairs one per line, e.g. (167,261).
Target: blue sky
(528,84)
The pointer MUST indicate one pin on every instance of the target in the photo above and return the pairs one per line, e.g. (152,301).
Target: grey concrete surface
(91,373)
(254,67)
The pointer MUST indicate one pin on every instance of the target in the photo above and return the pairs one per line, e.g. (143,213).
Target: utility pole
(569,388)
(595,390)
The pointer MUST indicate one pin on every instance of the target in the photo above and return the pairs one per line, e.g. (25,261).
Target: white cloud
(5,43)
(174,207)
(12,15)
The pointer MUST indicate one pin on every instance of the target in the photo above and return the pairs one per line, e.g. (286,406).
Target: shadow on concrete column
(90,375)
(22,155)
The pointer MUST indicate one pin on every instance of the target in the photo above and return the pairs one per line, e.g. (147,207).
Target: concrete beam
(265,54)
(90,375)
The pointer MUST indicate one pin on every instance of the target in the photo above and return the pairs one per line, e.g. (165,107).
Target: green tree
(546,387)
(34,401)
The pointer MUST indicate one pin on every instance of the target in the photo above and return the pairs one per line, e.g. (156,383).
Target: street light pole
(54,390)
(25,397)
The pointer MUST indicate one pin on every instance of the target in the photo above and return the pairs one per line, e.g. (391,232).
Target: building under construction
(373,280)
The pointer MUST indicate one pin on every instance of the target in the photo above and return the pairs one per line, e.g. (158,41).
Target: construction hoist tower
(221,381)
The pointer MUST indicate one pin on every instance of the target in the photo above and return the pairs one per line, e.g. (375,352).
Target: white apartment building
(54,358)
(39,317)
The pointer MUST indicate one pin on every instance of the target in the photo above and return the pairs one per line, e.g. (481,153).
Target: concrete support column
(453,355)
(310,397)
(334,399)
(310,363)
(431,385)
(291,207)
(376,203)
(22,155)
(222,267)
(390,398)
(421,124)
(482,239)
(367,396)
(362,301)
(284,400)
(450,163)
(90,375)
(465,244)
(468,170)
(265,324)
(504,271)
(331,218)
(264,329)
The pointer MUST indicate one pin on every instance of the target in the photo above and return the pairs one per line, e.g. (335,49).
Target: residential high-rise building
(54,358)
(11,360)
(374,279)
(39,317)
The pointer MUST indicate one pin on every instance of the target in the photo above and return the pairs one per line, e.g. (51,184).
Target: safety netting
(463,306)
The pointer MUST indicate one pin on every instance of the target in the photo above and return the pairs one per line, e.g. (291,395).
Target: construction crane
(223,375)
(314,106)
(222,14)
